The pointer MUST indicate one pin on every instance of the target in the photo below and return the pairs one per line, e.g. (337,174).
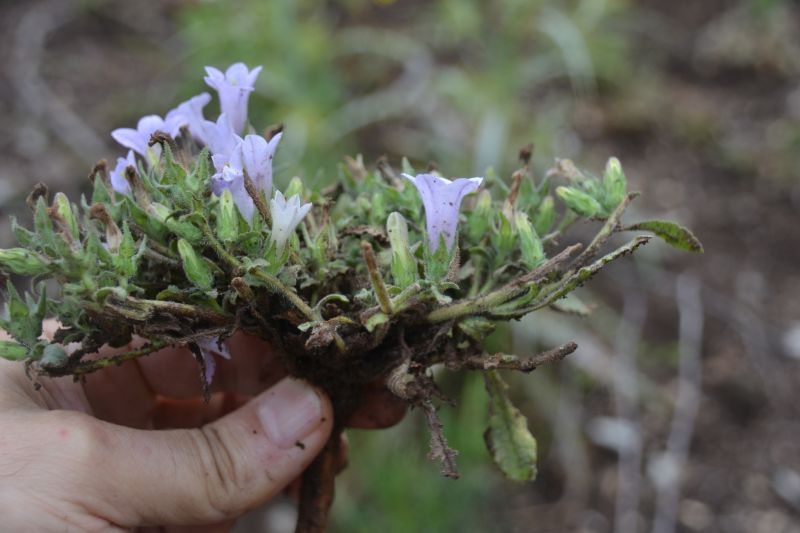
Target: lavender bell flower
(442,200)
(254,155)
(221,140)
(190,114)
(138,138)
(118,181)
(208,349)
(234,88)
(285,218)
(232,178)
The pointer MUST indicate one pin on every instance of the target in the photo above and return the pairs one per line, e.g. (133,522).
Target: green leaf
(476,327)
(572,305)
(511,445)
(23,320)
(195,267)
(124,262)
(376,320)
(672,233)
(13,351)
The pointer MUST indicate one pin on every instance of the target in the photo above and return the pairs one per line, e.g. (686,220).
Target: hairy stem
(512,362)
(87,367)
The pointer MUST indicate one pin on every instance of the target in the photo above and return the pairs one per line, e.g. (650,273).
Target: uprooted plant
(185,242)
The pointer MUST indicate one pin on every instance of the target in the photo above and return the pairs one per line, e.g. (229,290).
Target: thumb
(217,472)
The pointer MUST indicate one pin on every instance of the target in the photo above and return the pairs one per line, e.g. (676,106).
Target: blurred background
(680,410)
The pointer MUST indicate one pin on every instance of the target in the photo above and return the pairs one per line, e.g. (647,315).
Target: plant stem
(218,247)
(278,286)
(87,367)
(514,288)
(258,200)
(611,226)
(512,362)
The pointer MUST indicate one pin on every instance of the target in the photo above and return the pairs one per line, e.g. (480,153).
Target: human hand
(87,456)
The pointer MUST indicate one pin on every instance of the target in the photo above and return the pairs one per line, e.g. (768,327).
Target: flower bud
(529,242)
(63,210)
(195,267)
(404,266)
(53,356)
(614,183)
(579,201)
(227,218)
(505,237)
(544,216)
(22,261)
(295,188)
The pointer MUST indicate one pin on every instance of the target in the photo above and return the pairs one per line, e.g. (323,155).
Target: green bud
(579,201)
(227,218)
(23,262)
(195,266)
(505,242)
(480,219)
(614,183)
(53,355)
(295,187)
(62,207)
(404,266)
(545,215)
(529,242)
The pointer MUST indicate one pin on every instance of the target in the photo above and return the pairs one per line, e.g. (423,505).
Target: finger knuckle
(225,477)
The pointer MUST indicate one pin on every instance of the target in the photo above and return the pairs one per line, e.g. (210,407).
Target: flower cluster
(187,240)
(236,159)
(240,159)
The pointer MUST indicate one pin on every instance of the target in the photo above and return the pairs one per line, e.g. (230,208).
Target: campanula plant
(378,276)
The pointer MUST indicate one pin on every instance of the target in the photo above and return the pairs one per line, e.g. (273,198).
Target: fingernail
(290,411)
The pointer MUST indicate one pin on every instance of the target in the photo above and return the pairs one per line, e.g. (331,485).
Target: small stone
(696,515)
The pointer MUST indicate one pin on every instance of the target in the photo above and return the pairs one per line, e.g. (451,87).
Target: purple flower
(442,200)
(137,139)
(190,114)
(285,218)
(234,88)
(221,140)
(232,178)
(254,155)
(209,348)
(118,181)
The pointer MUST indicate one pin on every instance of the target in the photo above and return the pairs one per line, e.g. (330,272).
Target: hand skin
(136,446)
